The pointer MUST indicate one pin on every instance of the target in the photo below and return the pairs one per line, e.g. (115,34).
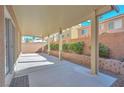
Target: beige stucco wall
(2,41)
(74,33)
(2,57)
(31,47)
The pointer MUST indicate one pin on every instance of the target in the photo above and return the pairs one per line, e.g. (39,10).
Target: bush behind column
(75,47)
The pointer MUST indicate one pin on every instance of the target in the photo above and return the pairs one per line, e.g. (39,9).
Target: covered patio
(42,70)
(52,19)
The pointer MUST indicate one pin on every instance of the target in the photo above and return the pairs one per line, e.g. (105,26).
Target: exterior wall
(56,37)
(31,47)
(74,33)
(113,38)
(66,34)
(84,28)
(9,13)
(86,41)
(106,28)
(115,42)
(2,48)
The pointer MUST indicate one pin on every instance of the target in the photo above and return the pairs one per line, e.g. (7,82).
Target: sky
(107,15)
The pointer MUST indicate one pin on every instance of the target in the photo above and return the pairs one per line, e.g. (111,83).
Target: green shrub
(103,51)
(54,46)
(65,47)
(76,47)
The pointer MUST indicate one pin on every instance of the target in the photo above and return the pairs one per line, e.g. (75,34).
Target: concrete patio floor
(47,71)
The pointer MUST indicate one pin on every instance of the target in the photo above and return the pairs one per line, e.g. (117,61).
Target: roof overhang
(45,20)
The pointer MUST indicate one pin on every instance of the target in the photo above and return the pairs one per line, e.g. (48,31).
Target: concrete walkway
(48,71)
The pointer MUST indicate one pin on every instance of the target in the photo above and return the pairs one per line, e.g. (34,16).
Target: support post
(60,44)
(48,45)
(94,44)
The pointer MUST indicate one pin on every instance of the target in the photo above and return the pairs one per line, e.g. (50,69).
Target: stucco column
(60,44)
(94,44)
(48,45)
(43,45)
(19,42)
(2,48)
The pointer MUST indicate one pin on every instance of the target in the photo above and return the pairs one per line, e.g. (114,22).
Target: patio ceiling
(45,20)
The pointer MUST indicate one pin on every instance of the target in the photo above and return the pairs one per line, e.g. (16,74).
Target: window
(56,36)
(83,32)
(117,24)
(101,26)
(51,37)
(111,25)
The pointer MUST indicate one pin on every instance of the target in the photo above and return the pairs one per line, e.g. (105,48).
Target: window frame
(111,25)
(116,22)
(83,32)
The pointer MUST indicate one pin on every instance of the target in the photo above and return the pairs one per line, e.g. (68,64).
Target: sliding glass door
(10,42)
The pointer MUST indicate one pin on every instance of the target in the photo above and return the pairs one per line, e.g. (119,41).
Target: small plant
(103,51)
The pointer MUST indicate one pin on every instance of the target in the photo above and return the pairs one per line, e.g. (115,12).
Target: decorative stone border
(112,65)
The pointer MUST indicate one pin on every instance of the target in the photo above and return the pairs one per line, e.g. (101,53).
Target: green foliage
(54,46)
(65,47)
(76,47)
(103,51)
